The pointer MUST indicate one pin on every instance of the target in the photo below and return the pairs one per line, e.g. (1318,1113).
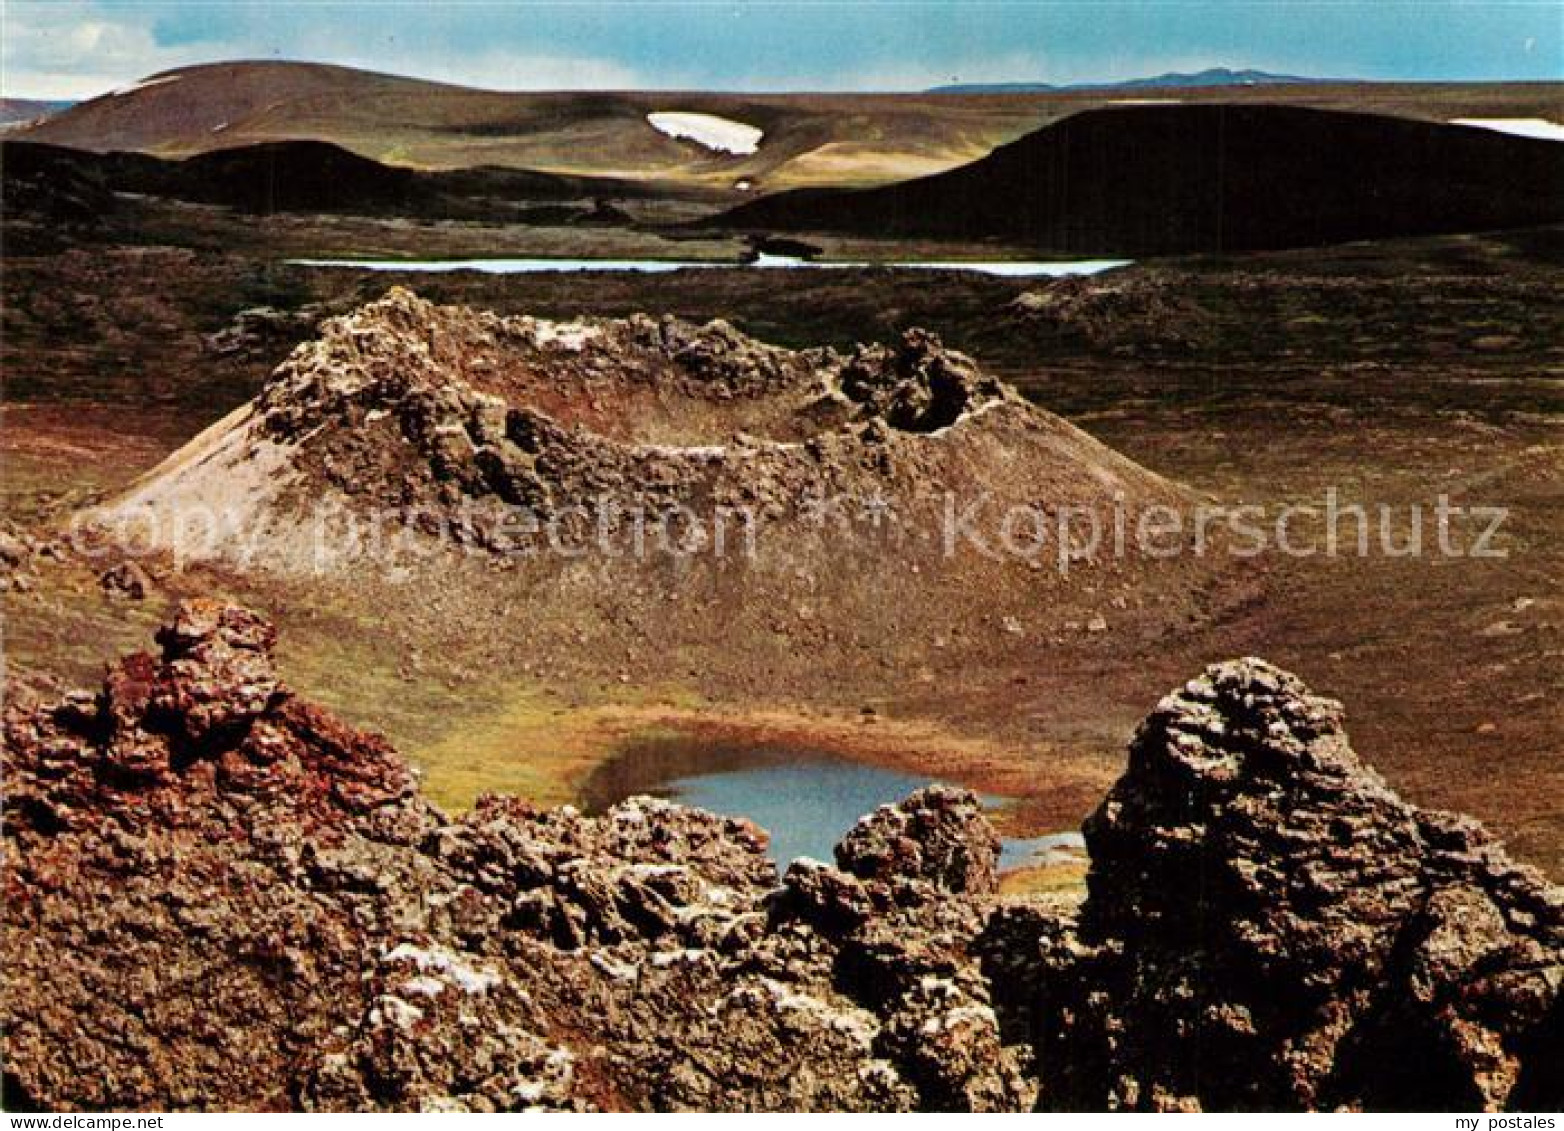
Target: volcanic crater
(476,396)
(655,512)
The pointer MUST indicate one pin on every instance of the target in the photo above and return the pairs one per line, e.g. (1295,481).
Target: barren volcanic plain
(165,352)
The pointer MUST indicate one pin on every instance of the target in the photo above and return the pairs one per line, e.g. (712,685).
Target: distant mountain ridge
(15,111)
(1172,80)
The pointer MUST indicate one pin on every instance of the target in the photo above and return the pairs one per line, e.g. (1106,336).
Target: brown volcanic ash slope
(220,896)
(537,460)
(1157,180)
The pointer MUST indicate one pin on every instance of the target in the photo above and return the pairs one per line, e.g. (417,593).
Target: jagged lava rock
(1272,927)
(939,834)
(219,895)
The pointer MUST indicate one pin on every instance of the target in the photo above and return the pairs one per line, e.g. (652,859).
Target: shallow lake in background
(1006,268)
(806,801)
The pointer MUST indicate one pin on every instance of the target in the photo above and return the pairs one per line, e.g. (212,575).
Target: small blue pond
(806,802)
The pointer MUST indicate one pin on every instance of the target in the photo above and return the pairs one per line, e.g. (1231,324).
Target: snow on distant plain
(1521,127)
(722,135)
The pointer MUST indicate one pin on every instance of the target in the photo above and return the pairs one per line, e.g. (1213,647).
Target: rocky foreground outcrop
(1269,926)
(220,896)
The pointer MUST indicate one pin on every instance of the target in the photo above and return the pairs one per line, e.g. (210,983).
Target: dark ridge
(292,176)
(46,182)
(284,176)
(1153,180)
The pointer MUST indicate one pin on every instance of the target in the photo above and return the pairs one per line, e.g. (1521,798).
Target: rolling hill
(283,176)
(806,139)
(818,139)
(1148,180)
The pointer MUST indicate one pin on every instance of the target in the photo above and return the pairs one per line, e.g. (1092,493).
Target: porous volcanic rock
(939,834)
(1269,926)
(219,895)
(252,332)
(408,404)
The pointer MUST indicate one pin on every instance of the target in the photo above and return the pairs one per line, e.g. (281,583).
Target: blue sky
(76,48)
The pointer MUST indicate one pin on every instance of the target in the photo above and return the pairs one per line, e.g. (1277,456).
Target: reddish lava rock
(220,896)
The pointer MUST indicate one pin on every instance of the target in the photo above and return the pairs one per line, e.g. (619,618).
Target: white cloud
(81,48)
(73,49)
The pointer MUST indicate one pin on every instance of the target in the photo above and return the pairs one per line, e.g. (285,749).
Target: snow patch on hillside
(143,85)
(1539,128)
(721,135)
